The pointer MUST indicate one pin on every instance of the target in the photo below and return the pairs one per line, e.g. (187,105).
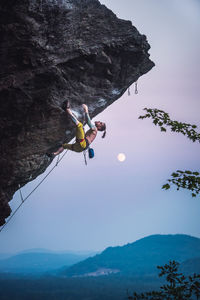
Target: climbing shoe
(65,105)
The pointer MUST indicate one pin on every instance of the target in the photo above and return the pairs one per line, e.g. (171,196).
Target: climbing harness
(24,199)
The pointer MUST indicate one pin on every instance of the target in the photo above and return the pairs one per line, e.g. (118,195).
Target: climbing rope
(57,160)
(23,200)
(20,193)
(85,159)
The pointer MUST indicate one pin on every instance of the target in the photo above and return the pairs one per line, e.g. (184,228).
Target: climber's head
(101,127)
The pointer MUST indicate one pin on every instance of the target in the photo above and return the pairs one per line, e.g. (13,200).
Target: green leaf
(155,121)
(196,173)
(175,174)
(166,186)
(188,172)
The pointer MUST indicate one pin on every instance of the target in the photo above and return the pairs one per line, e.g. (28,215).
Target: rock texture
(52,50)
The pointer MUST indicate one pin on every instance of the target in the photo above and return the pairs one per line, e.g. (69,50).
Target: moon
(121,157)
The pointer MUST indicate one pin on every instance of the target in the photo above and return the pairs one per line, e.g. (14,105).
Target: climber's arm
(89,122)
(87,117)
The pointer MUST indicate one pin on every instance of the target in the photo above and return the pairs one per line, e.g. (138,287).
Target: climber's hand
(85,108)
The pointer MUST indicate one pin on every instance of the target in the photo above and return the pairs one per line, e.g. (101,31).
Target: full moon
(121,157)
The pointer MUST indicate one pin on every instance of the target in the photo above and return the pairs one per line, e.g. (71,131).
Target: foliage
(182,179)
(163,120)
(178,286)
(185,179)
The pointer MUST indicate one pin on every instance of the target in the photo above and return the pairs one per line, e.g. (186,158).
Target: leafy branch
(186,180)
(178,287)
(182,179)
(163,120)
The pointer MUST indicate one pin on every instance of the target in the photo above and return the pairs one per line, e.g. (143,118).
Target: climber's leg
(68,146)
(72,116)
(80,143)
(66,108)
(80,135)
(76,147)
(80,140)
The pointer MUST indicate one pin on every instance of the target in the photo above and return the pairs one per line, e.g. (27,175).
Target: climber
(83,140)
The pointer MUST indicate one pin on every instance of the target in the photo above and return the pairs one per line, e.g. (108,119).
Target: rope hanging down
(85,159)
(136,89)
(21,193)
(23,200)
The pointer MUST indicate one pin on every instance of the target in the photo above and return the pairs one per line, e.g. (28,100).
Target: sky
(112,203)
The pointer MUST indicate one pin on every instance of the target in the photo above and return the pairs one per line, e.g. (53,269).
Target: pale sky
(111,203)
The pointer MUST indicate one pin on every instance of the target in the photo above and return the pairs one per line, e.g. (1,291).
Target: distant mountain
(43,250)
(5,255)
(36,250)
(38,262)
(191,266)
(139,258)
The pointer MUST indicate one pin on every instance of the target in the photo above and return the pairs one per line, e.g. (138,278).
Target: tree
(182,179)
(178,286)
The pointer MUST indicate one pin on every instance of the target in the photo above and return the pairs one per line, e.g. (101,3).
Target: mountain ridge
(38,262)
(139,257)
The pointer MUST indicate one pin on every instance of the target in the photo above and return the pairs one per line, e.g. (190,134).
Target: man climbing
(83,140)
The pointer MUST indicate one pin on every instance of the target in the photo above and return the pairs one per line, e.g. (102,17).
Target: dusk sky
(111,203)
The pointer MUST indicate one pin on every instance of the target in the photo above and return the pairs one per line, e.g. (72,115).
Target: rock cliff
(52,50)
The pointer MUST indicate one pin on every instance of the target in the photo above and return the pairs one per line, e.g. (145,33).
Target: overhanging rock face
(50,51)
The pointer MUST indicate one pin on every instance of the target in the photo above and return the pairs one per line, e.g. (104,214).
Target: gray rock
(51,51)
